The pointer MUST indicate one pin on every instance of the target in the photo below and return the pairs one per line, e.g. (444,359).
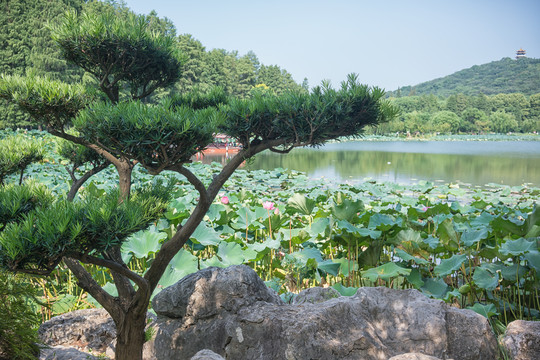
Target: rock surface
(64,353)
(315,295)
(414,356)
(207,355)
(231,312)
(83,334)
(85,330)
(522,340)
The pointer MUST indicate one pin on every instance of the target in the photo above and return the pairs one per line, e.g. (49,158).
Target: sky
(389,44)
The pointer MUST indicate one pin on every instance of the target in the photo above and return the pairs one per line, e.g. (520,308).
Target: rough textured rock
(64,353)
(83,333)
(207,355)
(85,330)
(315,295)
(464,331)
(414,356)
(231,312)
(522,340)
(209,292)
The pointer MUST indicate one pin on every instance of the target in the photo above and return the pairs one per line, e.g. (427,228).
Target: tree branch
(193,180)
(112,265)
(171,247)
(87,282)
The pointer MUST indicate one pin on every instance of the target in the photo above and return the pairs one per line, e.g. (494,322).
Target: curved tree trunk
(130,336)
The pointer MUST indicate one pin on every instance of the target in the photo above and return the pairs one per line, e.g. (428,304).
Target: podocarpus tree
(164,137)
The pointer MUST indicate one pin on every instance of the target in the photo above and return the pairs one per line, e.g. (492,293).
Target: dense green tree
(194,64)
(457,103)
(474,120)
(446,122)
(127,131)
(503,122)
(277,79)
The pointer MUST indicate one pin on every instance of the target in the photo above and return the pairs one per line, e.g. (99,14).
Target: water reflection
(476,163)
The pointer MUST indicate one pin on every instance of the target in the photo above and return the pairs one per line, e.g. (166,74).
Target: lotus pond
(473,247)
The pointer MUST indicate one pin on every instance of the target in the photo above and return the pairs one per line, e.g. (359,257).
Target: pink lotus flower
(224,200)
(276,211)
(268,205)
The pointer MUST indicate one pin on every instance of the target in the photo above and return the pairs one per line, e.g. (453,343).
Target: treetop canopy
(117,48)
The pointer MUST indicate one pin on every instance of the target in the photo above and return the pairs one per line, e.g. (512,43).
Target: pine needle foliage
(16,153)
(18,323)
(300,119)
(198,99)
(157,137)
(117,48)
(40,238)
(51,103)
(16,201)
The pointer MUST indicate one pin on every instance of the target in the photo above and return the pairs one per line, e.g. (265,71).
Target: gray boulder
(414,356)
(64,353)
(522,340)
(85,330)
(207,355)
(231,312)
(315,295)
(83,334)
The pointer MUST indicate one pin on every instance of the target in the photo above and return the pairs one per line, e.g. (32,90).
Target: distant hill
(498,77)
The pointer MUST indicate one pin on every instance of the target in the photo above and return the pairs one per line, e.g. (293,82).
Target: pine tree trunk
(130,336)
(124,182)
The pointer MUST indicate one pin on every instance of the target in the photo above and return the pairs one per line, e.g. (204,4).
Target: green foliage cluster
(107,48)
(18,323)
(460,113)
(16,153)
(504,76)
(47,233)
(310,119)
(17,201)
(158,137)
(50,102)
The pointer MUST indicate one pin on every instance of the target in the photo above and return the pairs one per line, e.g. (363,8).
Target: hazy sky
(389,43)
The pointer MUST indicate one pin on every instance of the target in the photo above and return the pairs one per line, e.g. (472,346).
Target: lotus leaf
(487,311)
(517,247)
(435,288)
(405,256)
(205,235)
(301,204)
(472,237)
(448,266)
(485,279)
(144,243)
(385,272)
(345,291)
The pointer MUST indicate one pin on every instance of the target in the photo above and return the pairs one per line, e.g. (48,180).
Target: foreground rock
(90,330)
(522,340)
(413,356)
(207,355)
(82,334)
(231,312)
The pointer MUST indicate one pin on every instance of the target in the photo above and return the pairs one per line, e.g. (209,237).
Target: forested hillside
(26,46)
(498,77)
(459,113)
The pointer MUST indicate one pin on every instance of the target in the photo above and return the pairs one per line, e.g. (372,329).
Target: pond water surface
(471,162)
